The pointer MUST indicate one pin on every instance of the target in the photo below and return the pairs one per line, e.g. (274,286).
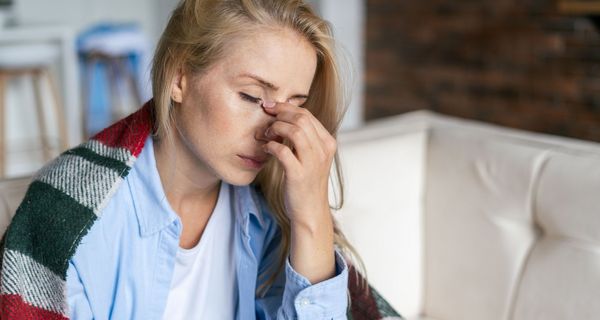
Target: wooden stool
(31,60)
(118,49)
(117,67)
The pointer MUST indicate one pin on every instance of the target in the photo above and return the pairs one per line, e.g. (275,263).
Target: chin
(239,178)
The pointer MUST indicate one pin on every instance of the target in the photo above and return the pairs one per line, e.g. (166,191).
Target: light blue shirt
(123,266)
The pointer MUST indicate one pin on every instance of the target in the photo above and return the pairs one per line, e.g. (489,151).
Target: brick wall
(517,63)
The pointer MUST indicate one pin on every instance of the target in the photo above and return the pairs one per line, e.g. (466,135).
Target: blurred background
(531,64)
(69,67)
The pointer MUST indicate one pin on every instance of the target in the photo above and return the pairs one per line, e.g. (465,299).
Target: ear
(178,88)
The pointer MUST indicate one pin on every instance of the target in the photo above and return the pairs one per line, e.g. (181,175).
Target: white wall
(348,20)
(80,14)
(163,12)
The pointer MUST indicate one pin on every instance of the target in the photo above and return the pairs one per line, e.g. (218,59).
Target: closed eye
(250,98)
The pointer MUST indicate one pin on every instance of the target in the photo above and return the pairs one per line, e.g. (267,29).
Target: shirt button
(304,302)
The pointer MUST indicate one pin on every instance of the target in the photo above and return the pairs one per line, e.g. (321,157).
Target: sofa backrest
(383,173)
(509,220)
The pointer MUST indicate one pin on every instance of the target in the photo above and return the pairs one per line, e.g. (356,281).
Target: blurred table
(64,37)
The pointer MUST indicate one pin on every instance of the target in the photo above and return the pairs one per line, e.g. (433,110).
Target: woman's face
(220,117)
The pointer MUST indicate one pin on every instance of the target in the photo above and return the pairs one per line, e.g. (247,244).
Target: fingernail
(267,132)
(268,104)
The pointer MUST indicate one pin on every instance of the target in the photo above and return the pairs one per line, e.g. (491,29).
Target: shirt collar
(247,203)
(152,208)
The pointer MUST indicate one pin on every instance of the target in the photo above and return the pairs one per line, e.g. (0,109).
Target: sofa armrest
(383,168)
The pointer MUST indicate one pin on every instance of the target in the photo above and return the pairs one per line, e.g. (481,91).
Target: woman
(209,202)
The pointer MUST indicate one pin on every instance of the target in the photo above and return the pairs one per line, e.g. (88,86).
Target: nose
(266,120)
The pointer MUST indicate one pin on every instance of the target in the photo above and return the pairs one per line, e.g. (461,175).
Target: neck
(188,184)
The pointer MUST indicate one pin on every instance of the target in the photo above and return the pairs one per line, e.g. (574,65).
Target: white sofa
(461,220)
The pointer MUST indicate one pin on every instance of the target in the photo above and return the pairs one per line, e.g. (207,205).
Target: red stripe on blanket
(130,132)
(14,308)
(363,305)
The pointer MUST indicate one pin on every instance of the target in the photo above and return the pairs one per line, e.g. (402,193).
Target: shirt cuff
(327,299)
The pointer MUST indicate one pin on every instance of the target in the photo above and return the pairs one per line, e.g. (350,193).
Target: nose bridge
(264,121)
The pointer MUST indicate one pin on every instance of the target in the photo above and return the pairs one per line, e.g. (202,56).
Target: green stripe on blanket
(52,221)
(118,166)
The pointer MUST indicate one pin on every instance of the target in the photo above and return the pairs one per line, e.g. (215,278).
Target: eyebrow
(269,85)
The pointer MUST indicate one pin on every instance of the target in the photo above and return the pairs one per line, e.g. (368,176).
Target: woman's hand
(306,169)
(307,166)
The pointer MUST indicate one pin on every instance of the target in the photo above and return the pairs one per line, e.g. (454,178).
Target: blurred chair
(463,220)
(113,51)
(12,192)
(34,61)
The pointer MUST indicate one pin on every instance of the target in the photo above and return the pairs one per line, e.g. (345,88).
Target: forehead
(282,57)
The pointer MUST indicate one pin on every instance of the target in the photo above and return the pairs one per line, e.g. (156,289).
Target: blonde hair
(195,37)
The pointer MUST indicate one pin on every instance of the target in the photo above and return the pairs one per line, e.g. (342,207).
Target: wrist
(312,249)
(322,222)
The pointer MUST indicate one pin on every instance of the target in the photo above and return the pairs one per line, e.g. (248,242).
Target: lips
(255,158)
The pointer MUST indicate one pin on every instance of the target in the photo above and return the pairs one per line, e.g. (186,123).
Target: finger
(295,134)
(279,108)
(284,154)
(303,120)
(329,142)
(323,134)
(287,111)
(275,108)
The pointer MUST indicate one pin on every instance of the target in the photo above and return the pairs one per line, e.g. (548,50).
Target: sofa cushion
(479,226)
(508,227)
(562,277)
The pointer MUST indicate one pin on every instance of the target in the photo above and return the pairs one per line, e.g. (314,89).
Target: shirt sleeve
(299,299)
(79,305)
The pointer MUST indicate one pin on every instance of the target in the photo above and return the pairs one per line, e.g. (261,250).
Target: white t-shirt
(204,284)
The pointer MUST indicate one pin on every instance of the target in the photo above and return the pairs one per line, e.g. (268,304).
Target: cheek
(221,120)
(227,118)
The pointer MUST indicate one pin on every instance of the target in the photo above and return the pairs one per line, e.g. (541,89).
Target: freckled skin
(216,124)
